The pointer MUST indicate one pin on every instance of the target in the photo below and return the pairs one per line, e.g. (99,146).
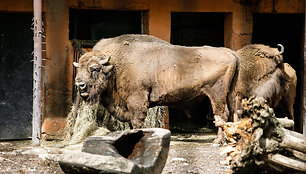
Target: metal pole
(36,124)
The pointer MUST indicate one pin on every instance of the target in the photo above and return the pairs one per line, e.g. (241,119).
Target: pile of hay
(91,120)
(155,117)
(95,120)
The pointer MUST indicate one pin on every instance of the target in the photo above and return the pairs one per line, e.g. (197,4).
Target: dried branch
(259,140)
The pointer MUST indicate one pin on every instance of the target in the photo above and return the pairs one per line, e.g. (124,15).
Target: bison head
(93,74)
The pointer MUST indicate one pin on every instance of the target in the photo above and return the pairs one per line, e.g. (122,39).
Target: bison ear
(107,69)
(75,64)
(104,61)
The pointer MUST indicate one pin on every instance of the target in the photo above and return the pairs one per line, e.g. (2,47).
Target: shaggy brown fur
(285,106)
(148,71)
(262,74)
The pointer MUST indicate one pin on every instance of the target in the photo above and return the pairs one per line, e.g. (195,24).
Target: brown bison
(262,73)
(285,106)
(130,73)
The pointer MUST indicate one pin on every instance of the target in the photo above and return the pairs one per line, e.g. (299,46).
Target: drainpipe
(36,123)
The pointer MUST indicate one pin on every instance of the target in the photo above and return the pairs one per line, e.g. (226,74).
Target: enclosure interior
(16,75)
(98,24)
(288,30)
(195,29)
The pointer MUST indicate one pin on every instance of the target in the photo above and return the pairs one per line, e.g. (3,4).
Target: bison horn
(104,61)
(75,64)
(281,48)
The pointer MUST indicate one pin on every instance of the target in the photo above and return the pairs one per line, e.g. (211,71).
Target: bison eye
(94,71)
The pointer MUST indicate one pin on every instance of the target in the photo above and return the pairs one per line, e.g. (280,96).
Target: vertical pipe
(36,123)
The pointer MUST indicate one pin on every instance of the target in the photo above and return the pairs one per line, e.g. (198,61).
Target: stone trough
(130,151)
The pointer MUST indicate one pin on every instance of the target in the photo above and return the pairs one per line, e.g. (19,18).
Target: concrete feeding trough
(130,151)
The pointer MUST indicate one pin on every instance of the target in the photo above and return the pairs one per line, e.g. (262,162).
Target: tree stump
(260,141)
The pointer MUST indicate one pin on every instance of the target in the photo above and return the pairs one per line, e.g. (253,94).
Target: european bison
(285,106)
(262,73)
(130,73)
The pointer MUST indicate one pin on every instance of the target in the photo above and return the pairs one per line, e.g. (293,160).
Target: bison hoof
(218,142)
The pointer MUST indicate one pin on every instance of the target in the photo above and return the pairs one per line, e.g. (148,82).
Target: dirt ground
(189,153)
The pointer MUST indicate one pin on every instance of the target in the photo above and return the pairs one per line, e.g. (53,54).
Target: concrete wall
(58,72)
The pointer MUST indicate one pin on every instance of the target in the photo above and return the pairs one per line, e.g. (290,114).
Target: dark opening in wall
(288,30)
(98,24)
(16,75)
(195,29)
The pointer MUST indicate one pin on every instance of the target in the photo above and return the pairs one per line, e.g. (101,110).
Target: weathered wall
(280,6)
(58,76)
(304,83)
(16,5)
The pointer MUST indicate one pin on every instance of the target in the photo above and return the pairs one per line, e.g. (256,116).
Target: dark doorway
(195,29)
(98,24)
(288,30)
(16,74)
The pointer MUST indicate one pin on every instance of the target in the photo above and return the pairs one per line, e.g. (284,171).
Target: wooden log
(287,162)
(298,154)
(295,134)
(292,140)
(286,123)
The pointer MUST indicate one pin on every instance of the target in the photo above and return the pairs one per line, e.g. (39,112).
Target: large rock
(130,151)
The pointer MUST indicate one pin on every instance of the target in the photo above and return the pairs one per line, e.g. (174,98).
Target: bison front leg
(138,107)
